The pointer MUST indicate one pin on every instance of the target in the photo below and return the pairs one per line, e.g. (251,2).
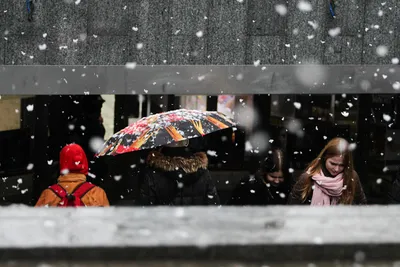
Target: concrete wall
(265,235)
(234,32)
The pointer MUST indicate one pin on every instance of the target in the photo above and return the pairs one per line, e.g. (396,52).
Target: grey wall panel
(266,50)
(187,50)
(264,20)
(107,50)
(66,50)
(153,28)
(188,17)
(24,50)
(227,32)
(343,50)
(110,17)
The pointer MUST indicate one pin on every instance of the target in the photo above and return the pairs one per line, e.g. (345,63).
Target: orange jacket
(96,197)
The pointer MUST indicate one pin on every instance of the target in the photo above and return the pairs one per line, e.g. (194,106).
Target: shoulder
(96,189)
(48,191)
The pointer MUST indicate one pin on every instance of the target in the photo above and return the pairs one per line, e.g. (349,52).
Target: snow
(304,6)
(395,60)
(124,226)
(29,108)
(139,46)
(396,86)
(130,65)
(382,51)
(352,146)
(96,143)
(212,153)
(259,141)
(386,117)
(281,9)
(199,34)
(30,166)
(334,32)
(297,105)
(42,47)
(345,114)
(311,75)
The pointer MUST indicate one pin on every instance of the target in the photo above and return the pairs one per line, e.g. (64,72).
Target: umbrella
(165,128)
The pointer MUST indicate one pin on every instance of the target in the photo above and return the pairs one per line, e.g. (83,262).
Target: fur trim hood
(188,165)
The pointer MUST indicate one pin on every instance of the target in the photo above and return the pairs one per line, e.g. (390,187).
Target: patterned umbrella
(165,128)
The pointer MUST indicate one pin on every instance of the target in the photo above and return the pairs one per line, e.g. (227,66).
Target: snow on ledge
(25,227)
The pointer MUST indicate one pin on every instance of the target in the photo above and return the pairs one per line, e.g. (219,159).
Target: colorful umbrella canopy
(165,128)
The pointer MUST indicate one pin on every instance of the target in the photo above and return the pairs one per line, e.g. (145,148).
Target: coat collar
(72,177)
(187,164)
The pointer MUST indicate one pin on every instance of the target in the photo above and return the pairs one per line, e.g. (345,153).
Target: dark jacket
(254,191)
(295,195)
(394,193)
(178,180)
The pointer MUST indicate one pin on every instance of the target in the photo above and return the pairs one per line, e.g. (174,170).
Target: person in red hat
(72,189)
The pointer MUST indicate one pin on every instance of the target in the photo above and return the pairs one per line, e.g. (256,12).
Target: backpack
(75,198)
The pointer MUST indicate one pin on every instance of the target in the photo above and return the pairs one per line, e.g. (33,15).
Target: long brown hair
(335,147)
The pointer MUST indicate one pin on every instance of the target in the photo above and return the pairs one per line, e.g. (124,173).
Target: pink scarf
(327,190)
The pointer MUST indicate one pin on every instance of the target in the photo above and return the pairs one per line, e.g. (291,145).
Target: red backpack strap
(80,191)
(58,190)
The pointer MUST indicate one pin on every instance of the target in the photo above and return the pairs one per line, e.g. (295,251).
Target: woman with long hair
(330,179)
(269,186)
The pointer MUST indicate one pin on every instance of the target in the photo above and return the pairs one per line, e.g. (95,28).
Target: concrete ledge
(199,79)
(277,234)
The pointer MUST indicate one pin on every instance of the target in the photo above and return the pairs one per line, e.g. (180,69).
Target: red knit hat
(73,159)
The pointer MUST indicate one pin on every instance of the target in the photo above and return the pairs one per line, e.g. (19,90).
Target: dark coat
(253,191)
(295,195)
(178,181)
(394,193)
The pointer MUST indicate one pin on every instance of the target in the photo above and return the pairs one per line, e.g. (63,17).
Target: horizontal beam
(200,79)
(227,233)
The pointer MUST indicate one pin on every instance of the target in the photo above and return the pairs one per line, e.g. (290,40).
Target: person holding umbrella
(174,174)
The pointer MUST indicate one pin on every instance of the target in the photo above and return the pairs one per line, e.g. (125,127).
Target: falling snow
(29,108)
(386,117)
(96,143)
(281,9)
(130,65)
(334,32)
(352,146)
(345,114)
(212,153)
(313,24)
(382,51)
(297,105)
(42,47)
(304,6)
